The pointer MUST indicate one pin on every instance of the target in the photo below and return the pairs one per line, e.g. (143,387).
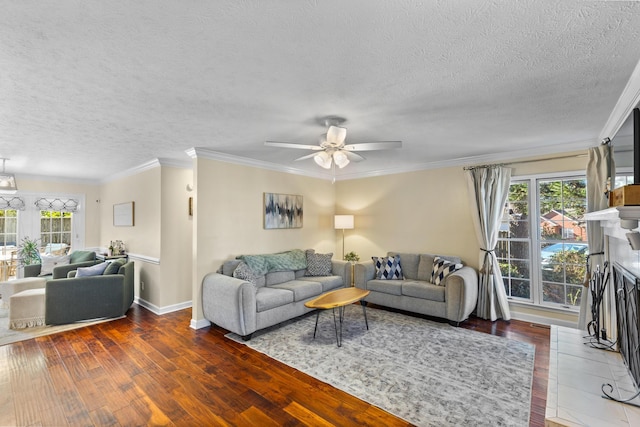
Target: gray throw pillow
(114,266)
(318,264)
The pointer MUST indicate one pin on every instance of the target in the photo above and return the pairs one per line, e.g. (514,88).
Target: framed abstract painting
(282,211)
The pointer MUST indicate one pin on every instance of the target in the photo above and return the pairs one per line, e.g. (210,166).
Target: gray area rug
(428,373)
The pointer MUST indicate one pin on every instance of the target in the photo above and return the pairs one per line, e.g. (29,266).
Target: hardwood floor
(155,370)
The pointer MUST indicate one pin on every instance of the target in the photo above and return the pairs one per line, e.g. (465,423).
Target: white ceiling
(91,88)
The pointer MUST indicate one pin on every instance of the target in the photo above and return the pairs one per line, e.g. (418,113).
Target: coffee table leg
(364,310)
(335,323)
(316,328)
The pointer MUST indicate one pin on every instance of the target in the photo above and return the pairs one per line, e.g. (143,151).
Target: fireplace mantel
(616,221)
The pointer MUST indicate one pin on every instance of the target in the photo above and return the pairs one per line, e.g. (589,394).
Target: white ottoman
(26,309)
(10,287)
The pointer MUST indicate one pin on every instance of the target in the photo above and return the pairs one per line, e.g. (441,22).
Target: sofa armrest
(61,271)
(461,293)
(342,269)
(32,270)
(364,271)
(83,298)
(230,303)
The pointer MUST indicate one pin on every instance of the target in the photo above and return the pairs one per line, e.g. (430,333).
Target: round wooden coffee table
(338,299)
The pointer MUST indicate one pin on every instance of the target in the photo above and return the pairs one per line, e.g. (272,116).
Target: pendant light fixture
(7,180)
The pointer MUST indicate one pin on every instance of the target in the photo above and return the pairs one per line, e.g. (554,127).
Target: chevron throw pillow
(441,269)
(388,268)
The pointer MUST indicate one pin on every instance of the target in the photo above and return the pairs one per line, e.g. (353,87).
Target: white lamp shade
(343,222)
(323,159)
(341,159)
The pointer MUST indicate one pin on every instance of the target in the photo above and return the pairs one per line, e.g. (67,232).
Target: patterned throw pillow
(243,272)
(441,269)
(388,268)
(318,264)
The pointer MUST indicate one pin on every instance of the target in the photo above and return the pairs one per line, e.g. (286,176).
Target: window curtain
(488,191)
(59,205)
(12,203)
(600,168)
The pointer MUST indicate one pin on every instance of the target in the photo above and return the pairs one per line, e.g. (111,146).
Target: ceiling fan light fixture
(341,159)
(323,159)
(336,134)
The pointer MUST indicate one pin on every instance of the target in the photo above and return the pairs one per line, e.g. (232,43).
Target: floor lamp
(343,222)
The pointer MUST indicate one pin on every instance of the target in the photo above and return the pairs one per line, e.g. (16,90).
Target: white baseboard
(199,324)
(162,310)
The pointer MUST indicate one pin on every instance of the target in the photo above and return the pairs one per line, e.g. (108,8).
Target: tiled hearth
(576,374)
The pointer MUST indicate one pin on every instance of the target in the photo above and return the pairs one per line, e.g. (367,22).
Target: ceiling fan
(332,151)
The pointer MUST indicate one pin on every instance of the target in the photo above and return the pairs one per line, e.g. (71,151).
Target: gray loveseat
(453,299)
(276,293)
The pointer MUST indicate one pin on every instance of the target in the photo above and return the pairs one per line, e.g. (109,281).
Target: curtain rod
(524,161)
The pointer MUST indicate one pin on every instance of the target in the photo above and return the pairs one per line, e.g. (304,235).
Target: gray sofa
(454,299)
(243,306)
(75,299)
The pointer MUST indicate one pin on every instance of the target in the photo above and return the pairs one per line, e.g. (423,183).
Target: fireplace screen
(627,295)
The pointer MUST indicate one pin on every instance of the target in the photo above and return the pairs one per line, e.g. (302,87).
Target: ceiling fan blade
(353,156)
(336,135)
(292,145)
(308,156)
(370,146)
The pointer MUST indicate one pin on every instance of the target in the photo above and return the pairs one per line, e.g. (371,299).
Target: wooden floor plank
(155,370)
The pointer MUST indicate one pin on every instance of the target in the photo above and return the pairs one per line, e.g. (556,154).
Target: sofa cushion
(113,267)
(393,287)
(82,256)
(328,282)
(228,267)
(425,267)
(49,262)
(243,272)
(424,290)
(276,277)
(94,270)
(268,298)
(318,264)
(441,269)
(301,289)
(410,264)
(388,268)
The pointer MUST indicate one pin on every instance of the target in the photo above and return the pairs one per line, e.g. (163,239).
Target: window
(55,231)
(8,227)
(552,274)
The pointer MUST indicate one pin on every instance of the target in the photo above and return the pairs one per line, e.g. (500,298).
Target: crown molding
(205,153)
(476,160)
(629,99)
(175,163)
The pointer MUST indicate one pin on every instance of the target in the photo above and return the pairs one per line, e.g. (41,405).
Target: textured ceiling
(92,88)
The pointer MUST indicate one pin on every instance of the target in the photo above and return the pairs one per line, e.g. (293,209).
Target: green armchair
(74,299)
(77,259)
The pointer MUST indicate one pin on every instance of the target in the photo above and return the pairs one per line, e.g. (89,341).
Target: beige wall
(144,190)
(425,211)
(176,230)
(228,218)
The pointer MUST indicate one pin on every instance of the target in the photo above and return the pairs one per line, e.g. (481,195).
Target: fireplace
(627,291)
